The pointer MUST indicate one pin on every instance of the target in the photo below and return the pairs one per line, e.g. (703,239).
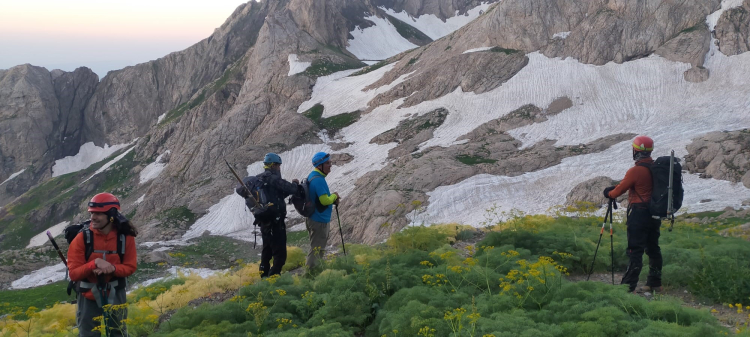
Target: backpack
(660,186)
(303,202)
(259,193)
(70,234)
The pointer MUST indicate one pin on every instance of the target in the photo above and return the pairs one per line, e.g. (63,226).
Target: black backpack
(303,202)
(660,186)
(259,192)
(72,231)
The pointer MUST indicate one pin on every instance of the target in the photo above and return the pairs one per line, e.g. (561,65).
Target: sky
(103,35)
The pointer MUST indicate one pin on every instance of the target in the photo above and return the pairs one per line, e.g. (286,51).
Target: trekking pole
(101,286)
(340,231)
(670,212)
(601,233)
(612,204)
(57,248)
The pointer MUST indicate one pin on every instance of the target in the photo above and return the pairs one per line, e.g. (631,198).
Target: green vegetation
(424,282)
(324,67)
(504,50)
(407,31)
(16,223)
(39,297)
(179,217)
(474,160)
(155,289)
(701,25)
(371,68)
(297,238)
(413,60)
(334,123)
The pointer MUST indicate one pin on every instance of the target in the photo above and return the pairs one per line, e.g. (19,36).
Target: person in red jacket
(643,229)
(102,275)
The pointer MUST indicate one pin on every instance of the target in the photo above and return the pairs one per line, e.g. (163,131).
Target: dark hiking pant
(643,236)
(87,309)
(274,246)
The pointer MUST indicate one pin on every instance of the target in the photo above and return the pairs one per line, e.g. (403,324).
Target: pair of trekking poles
(612,204)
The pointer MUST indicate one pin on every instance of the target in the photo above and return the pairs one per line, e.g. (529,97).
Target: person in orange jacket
(100,269)
(643,229)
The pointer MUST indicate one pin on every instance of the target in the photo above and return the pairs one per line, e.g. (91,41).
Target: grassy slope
(511,283)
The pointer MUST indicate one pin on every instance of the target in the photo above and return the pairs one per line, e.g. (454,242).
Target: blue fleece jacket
(319,190)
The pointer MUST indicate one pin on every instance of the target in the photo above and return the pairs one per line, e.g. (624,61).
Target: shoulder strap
(88,241)
(121,247)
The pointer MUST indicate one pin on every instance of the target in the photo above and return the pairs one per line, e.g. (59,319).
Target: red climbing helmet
(643,144)
(103,202)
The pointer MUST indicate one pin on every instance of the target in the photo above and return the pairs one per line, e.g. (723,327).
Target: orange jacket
(637,182)
(81,269)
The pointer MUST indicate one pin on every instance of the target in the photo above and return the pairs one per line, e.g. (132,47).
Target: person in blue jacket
(318,223)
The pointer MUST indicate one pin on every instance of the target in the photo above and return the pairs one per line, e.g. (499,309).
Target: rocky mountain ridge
(231,96)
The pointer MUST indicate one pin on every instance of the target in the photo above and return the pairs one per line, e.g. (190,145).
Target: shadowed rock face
(721,155)
(41,119)
(733,31)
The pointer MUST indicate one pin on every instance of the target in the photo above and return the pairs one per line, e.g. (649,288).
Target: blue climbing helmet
(320,158)
(272,158)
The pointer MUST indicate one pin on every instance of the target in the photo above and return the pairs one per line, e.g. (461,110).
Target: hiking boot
(650,289)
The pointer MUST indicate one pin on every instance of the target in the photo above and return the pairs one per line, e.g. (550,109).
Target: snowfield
(435,28)
(377,42)
(296,66)
(41,238)
(88,155)
(152,170)
(46,275)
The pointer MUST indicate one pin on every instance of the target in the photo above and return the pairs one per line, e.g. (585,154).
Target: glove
(607,190)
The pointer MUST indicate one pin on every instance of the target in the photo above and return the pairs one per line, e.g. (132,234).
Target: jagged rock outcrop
(411,132)
(733,30)
(591,191)
(721,155)
(41,116)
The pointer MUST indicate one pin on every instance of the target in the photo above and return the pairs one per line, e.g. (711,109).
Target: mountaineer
(269,188)
(318,223)
(642,228)
(101,256)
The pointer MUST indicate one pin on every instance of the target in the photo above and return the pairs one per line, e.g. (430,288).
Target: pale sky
(103,35)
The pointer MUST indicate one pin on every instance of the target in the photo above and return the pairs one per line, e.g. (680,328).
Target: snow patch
(477,49)
(46,275)
(433,26)
(110,163)
(41,238)
(153,170)
(176,271)
(87,155)
(12,176)
(377,42)
(140,200)
(561,35)
(296,66)
(161,118)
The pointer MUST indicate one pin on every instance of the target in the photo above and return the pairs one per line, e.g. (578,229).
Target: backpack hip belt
(111,287)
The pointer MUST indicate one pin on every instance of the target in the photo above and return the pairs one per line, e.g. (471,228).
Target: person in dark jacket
(272,226)
(643,229)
